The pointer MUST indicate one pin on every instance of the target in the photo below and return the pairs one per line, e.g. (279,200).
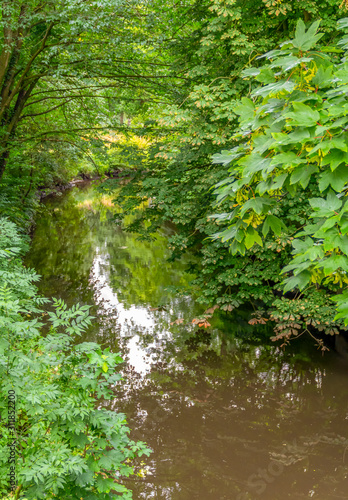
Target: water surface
(226,418)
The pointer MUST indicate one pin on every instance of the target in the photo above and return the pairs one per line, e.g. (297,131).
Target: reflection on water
(226,419)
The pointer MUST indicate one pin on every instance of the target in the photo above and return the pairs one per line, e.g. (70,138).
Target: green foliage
(292,142)
(178,175)
(68,73)
(185,120)
(67,447)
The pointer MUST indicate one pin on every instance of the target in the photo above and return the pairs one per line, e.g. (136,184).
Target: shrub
(67,445)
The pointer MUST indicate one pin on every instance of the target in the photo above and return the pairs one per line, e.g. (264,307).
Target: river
(227,418)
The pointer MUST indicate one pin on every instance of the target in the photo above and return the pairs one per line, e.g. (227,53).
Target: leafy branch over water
(292,143)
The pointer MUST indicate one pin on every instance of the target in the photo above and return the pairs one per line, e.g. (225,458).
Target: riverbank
(44,192)
(23,209)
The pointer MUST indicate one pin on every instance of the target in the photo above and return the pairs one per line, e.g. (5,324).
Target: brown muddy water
(227,418)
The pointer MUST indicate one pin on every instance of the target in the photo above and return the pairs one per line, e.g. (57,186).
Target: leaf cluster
(292,138)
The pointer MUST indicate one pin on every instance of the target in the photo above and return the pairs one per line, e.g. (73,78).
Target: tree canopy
(65,66)
(179,171)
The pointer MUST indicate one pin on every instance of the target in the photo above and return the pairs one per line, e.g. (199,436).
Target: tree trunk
(3,162)
(11,125)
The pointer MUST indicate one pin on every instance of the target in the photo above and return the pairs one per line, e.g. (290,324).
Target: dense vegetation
(244,153)
(66,447)
(179,169)
(68,70)
(292,151)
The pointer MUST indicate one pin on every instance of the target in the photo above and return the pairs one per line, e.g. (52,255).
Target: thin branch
(70,89)
(47,110)
(93,96)
(13,143)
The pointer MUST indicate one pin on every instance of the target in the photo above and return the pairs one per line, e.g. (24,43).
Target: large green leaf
(299,136)
(254,163)
(300,281)
(333,264)
(335,158)
(303,115)
(272,89)
(274,223)
(337,179)
(303,175)
(245,109)
(257,204)
(326,208)
(225,157)
(305,40)
(252,237)
(279,181)
(289,62)
(323,77)
(287,158)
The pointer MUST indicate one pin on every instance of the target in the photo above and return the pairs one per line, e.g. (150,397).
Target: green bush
(67,445)
(292,144)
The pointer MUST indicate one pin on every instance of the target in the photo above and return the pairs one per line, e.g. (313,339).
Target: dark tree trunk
(3,162)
